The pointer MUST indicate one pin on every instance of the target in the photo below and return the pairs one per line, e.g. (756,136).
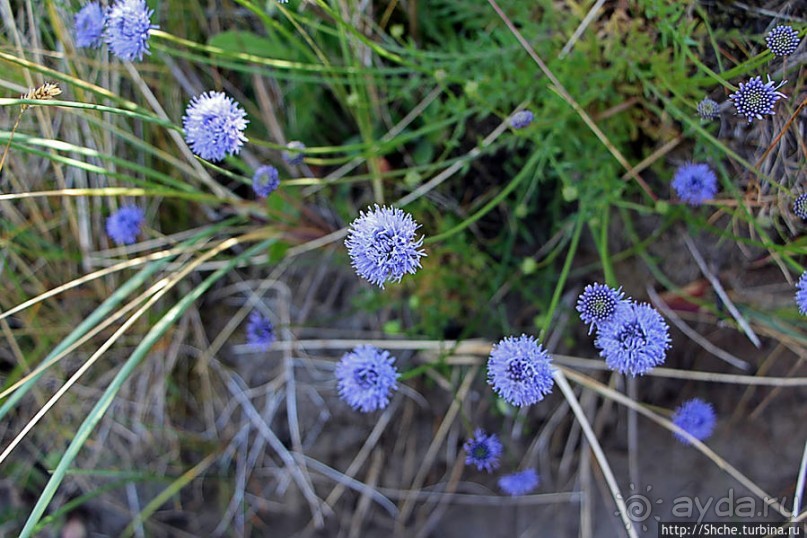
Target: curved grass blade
(98,411)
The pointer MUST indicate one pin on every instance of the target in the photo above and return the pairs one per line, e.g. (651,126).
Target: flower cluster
(265,181)
(260,331)
(366,377)
(382,245)
(520,371)
(695,183)
(632,337)
(708,109)
(125,26)
(635,340)
(597,304)
(801,294)
(521,483)
(800,206)
(483,451)
(123,226)
(90,21)
(754,98)
(214,126)
(521,119)
(128,28)
(696,417)
(782,40)
(293,155)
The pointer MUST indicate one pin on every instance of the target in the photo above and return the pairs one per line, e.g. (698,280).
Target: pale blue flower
(695,183)
(521,119)
(708,109)
(801,293)
(696,417)
(754,98)
(366,378)
(520,371)
(265,181)
(382,245)
(520,483)
(782,40)
(128,28)
(89,22)
(800,206)
(597,304)
(260,331)
(634,340)
(293,153)
(123,226)
(214,126)
(483,451)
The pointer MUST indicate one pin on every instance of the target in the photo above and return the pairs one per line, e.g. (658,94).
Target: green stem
(484,210)
(564,274)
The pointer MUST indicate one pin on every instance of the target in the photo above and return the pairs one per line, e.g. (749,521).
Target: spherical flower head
(128,28)
(801,294)
(695,183)
(754,98)
(800,206)
(260,331)
(520,483)
(382,245)
(89,23)
(123,226)
(695,417)
(214,126)
(782,40)
(265,181)
(366,378)
(708,109)
(292,154)
(635,340)
(597,304)
(521,119)
(520,370)
(483,451)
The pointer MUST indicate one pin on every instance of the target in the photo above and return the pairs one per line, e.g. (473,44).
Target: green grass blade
(98,411)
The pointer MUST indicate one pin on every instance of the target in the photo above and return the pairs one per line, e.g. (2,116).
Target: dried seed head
(47,91)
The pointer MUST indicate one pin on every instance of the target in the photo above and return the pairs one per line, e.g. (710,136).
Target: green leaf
(251,43)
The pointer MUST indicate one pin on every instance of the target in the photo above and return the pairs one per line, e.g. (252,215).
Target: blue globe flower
(754,98)
(782,40)
(801,293)
(89,23)
(695,183)
(293,155)
(214,126)
(483,451)
(708,109)
(696,417)
(128,28)
(123,226)
(520,371)
(597,304)
(265,181)
(260,331)
(520,483)
(521,119)
(382,245)
(366,378)
(635,340)
(800,206)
